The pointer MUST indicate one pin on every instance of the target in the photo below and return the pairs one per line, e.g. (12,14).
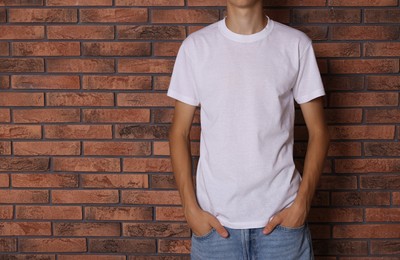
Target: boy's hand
(293,216)
(201,222)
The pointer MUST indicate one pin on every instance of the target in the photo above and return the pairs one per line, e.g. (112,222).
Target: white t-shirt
(245,86)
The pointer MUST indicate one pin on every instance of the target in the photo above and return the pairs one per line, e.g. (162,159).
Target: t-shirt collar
(245,37)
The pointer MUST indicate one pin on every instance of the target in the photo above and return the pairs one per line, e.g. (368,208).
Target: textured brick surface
(85,171)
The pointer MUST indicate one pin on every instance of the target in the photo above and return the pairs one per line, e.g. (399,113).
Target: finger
(220,228)
(272,223)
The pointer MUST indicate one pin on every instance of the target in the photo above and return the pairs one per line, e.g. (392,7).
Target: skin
(247,17)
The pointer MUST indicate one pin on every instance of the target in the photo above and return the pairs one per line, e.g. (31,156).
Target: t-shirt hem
(305,98)
(244,225)
(182,98)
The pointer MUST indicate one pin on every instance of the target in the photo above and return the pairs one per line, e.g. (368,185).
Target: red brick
(366,231)
(47,148)
(145,65)
(21,99)
(396,198)
(4,82)
(367,166)
(177,246)
(385,247)
(314,32)
(92,257)
(117,115)
(362,2)
(364,99)
(117,148)
(338,247)
(150,2)
(163,181)
(116,82)
(382,49)
(386,82)
(21,32)
(78,2)
(170,213)
(24,196)
(361,198)
(5,115)
(151,32)
(362,132)
(147,164)
(87,229)
(91,32)
(4,51)
(326,16)
(24,164)
(48,212)
(363,32)
(78,131)
(8,245)
(381,149)
(335,215)
(21,3)
(294,3)
(119,213)
(80,65)
(382,15)
(86,164)
(377,182)
(44,82)
(344,149)
(141,131)
(144,99)
(21,64)
(115,181)
(114,15)
(84,196)
(143,246)
(184,16)
(337,182)
(45,49)
(343,82)
(44,15)
(116,49)
(53,115)
(52,245)
(44,180)
(4,182)
(382,214)
(25,228)
(150,197)
(79,99)
(337,49)
(364,66)
(21,131)
(156,230)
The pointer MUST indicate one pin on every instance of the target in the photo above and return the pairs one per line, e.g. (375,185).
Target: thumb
(273,222)
(219,227)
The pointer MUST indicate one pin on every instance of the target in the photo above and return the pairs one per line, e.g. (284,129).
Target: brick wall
(84,157)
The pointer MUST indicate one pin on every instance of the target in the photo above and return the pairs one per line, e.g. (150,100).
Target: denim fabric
(283,243)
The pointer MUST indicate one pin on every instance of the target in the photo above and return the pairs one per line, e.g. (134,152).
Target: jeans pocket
(205,235)
(291,228)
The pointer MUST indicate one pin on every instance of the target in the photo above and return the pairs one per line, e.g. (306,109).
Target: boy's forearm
(182,167)
(317,149)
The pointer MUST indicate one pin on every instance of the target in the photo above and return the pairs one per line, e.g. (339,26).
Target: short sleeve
(308,84)
(182,85)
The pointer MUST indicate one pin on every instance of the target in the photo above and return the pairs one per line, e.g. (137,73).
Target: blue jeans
(283,243)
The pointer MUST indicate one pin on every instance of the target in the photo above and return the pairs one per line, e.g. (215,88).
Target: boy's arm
(179,145)
(318,144)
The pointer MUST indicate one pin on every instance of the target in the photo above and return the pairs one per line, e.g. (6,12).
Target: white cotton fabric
(246,85)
